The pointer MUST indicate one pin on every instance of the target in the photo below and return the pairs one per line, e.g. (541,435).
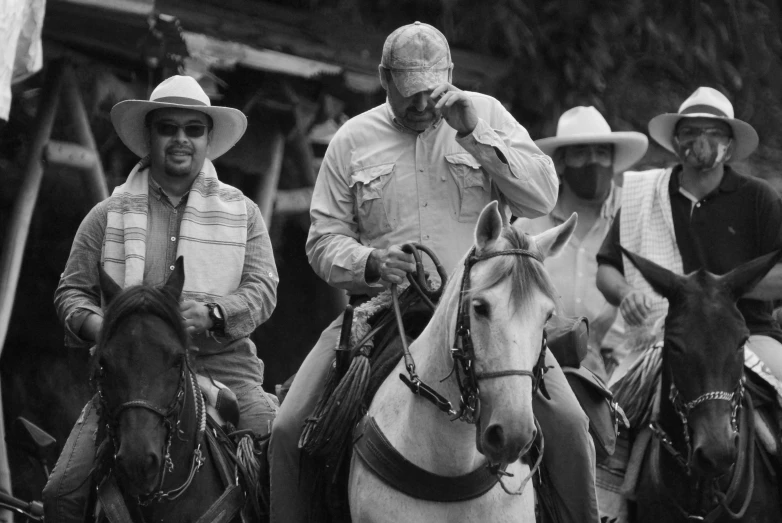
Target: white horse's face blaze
(507,318)
(507,334)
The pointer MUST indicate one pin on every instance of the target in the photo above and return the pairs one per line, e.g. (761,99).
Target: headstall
(172,418)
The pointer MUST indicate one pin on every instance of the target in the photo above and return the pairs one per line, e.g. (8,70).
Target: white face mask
(704,153)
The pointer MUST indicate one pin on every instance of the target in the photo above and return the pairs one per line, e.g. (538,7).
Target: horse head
(703,355)
(142,373)
(509,298)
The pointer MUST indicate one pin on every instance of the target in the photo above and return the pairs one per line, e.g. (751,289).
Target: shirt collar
(157,191)
(729,183)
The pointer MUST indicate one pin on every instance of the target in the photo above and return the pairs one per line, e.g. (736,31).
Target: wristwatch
(218,321)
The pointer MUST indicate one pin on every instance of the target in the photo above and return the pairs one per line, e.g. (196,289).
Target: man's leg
(68,488)
(289,500)
(242,372)
(569,456)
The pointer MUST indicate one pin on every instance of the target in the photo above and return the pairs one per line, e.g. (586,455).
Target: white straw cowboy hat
(182,92)
(585,125)
(706,102)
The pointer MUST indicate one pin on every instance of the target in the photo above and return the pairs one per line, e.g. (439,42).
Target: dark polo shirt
(735,223)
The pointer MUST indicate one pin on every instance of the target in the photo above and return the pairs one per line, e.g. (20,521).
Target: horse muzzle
(506,439)
(138,471)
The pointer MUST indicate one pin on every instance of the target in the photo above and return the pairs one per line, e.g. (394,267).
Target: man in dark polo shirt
(699,213)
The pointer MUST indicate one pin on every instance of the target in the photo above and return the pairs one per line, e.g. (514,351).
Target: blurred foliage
(629,58)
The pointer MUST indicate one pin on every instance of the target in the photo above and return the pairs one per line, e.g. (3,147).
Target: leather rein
(744,461)
(171,416)
(463,351)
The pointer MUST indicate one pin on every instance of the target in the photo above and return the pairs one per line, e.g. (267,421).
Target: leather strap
(112,502)
(389,465)
(226,506)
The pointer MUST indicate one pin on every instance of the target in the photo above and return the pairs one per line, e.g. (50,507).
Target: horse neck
(453,448)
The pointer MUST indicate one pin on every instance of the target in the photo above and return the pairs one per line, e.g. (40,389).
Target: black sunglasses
(192,130)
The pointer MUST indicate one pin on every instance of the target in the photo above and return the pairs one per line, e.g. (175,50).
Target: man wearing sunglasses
(701,212)
(172,205)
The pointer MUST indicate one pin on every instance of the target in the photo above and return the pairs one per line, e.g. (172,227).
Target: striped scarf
(212,237)
(646,228)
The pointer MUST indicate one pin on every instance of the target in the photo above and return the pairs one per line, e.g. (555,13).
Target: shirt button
(174,211)
(426,236)
(170,267)
(578,300)
(426,204)
(420,170)
(173,238)
(442,178)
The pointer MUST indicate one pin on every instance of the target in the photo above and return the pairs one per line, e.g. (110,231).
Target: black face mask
(589,182)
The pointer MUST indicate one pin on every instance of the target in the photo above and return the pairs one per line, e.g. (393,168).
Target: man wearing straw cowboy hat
(420,168)
(171,205)
(588,156)
(700,212)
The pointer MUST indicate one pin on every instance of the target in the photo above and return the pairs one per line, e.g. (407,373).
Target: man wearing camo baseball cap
(420,168)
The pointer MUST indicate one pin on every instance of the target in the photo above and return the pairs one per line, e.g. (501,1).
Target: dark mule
(155,448)
(703,463)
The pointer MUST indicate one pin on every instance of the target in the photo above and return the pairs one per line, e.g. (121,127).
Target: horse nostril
(495,437)
(152,463)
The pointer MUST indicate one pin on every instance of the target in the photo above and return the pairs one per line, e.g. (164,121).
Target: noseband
(171,416)
(463,354)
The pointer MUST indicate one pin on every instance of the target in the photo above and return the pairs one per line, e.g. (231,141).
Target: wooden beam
(69,155)
(96,180)
(293,201)
(267,190)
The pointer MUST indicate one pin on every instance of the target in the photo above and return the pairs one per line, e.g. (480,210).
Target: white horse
(510,298)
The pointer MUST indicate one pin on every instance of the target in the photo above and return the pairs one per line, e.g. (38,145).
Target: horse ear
(663,281)
(108,286)
(176,281)
(743,278)
(489,226)
(552,241)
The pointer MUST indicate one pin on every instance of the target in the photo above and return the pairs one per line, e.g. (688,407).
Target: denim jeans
(569,455)
(66,493)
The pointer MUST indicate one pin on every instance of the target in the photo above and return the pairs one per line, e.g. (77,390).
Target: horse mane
(525,272)
(140,299)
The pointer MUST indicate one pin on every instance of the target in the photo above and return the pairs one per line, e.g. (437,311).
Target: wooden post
(96,181)
(19,227)
(267,191)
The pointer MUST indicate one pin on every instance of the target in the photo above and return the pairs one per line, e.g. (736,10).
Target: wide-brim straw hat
(181,92)
(706,102)
(585,125)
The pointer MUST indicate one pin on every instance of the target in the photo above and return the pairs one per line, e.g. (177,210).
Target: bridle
(171,416)
(744,461)
(463,354)
(683,410)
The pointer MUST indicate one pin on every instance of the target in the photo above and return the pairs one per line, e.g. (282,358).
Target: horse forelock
(141,300)
(525,272)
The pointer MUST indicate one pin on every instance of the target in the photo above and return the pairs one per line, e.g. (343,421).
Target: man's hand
(456,107)
(390,265)
(196,317)
(635,307)
(91,327)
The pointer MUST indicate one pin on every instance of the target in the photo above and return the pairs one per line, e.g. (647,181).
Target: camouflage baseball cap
(418,57)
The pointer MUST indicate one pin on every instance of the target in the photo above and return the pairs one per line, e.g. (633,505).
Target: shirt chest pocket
(473,184)
(375,203)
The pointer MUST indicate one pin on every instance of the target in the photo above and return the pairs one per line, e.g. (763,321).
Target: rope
(636,391)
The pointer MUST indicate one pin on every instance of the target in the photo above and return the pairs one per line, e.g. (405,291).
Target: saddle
(330,462)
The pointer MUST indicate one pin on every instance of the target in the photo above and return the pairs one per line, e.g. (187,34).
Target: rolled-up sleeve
(78,293)
(525,176)
(333,247)
(253,302)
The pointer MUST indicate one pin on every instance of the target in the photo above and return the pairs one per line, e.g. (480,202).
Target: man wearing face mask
(700,212)
(587,156)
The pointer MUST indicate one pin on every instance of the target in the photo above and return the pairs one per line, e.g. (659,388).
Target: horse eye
(480,308)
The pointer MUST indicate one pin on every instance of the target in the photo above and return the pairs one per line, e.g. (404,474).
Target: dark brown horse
(703,463)
(155,448)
